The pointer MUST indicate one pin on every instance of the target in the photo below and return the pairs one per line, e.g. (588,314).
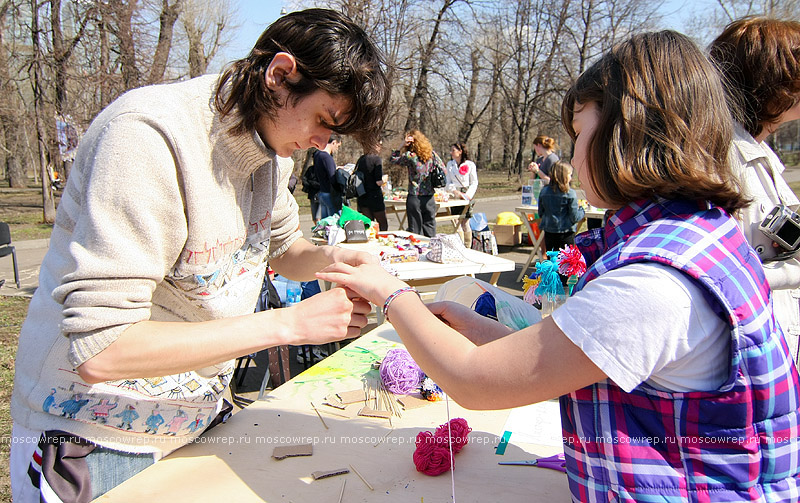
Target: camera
(782,225)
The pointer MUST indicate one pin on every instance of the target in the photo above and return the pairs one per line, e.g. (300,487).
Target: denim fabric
(109,468)
(330,204)
(559,211)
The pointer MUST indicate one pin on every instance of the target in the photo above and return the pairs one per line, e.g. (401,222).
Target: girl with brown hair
(674,381)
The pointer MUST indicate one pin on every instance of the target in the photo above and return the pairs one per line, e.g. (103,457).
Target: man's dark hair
(333,54)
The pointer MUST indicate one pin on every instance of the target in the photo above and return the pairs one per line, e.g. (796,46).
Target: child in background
(675,381)
(558,208)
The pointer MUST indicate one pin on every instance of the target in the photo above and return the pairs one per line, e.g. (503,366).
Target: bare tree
(122,13)
(11,125)
(417,114)
(61,52)
(533,42)
(48,203)
(169,15)
(204,22)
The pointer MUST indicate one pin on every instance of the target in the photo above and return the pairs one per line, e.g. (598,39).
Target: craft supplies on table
(233,462)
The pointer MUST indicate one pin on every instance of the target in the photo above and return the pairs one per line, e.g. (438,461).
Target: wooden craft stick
(370,412)
(384,438)
(289,451)
(319,416)
(329,473)
(361,477)
(335,414)
(341,493)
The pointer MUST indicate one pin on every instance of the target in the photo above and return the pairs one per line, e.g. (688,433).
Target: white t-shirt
(648,322)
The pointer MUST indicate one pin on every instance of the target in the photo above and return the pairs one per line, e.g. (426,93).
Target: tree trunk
(105,49)
(169,14)
(416,114)
(9,105)
(469,111)
(123,12)
(197,18)
(16,173)
(48,203)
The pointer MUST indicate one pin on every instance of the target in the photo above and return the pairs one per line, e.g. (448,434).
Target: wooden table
(444,210)
(538,245)
(233,462)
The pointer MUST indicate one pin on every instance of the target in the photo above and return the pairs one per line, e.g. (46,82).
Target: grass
(12,314)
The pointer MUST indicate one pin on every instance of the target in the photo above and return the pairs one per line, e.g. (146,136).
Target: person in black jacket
(371,203)
(311,186)
(330,196)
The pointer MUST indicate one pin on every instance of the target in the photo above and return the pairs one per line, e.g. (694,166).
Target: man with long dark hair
(177,200)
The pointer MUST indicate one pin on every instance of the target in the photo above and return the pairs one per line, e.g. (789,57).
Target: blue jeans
(329,203)
(108,468)
(316,209)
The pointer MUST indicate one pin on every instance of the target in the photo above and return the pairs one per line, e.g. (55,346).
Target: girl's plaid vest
(737,443)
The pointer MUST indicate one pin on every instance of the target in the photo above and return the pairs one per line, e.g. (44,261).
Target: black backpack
(309,178)
(349,184)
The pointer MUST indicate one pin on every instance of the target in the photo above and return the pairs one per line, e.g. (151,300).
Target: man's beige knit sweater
(167,217)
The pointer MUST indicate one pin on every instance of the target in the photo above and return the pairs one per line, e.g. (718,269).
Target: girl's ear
(281,69)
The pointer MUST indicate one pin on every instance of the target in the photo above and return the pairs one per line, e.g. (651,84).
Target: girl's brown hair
(759,59)
(559,176)
(332,53)
(421,146)
(546,142)
(664,128)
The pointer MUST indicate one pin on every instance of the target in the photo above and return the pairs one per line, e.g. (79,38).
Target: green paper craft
(349,213)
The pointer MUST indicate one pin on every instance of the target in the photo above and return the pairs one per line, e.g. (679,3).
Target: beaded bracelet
(394,295)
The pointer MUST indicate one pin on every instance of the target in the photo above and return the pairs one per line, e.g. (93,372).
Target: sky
(253,16)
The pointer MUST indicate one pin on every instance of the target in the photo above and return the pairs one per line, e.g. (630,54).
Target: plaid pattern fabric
(738,443)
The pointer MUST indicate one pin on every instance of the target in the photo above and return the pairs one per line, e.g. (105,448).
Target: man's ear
(282,68)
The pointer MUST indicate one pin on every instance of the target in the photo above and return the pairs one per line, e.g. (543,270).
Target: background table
(444,210)
(233,462)
(526,210)
(425,272)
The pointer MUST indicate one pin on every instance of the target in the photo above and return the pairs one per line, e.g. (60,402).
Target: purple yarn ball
(399,372)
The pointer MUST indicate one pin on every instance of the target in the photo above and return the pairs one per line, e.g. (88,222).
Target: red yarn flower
(430,457)
(463,169)
(458,431)
(570,261)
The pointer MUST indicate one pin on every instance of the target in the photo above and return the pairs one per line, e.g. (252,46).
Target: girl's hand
(327,317)
(478,329)
(352,257)
(370,281)
(533,168)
